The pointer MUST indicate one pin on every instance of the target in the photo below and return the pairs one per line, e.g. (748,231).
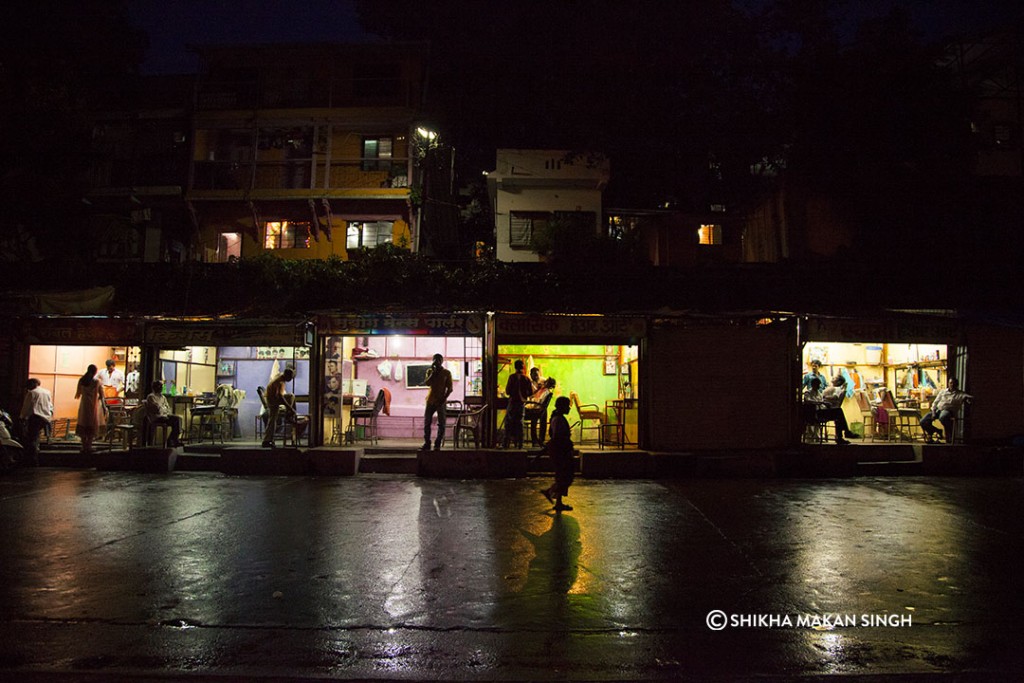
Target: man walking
(36,413)
(439,379)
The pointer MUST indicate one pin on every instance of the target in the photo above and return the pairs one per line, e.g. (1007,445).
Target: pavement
(196,576)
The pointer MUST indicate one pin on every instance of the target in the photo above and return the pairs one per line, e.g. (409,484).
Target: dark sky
(172,24)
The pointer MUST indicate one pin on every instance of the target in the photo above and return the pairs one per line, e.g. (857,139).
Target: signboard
(206,334)
(909,331)
(456,325)
(80,331)
(569,327)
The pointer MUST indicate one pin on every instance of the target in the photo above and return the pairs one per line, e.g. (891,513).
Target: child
(560,449)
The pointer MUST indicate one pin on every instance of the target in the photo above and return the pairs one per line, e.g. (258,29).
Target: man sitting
(158,412)
(821,408)
(945,407)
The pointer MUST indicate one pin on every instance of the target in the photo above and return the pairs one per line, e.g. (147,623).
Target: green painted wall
(575,368)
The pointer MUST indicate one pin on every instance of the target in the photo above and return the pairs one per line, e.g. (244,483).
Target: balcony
(297,178)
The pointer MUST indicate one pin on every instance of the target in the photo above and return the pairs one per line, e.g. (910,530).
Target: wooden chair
(469,423)
(589,412)
(867,412)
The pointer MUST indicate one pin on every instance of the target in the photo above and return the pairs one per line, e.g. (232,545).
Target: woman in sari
(90,408)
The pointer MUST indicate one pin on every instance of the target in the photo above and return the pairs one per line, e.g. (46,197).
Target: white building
(531,187)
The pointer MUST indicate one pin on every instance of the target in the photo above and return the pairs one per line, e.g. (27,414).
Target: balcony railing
(301,174)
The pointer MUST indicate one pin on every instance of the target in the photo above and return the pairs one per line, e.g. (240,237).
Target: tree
(656,86)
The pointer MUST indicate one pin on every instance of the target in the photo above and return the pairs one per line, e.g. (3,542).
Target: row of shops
(661,383)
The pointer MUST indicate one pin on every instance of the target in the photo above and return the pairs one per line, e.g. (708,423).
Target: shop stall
(212,373)
(57,352)
(593,360)
(387,356)
(892,369)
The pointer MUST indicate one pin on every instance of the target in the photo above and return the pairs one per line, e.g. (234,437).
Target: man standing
(158,411)
(945,407)
(276,402)
(439,379)
(518,388)
(36,412)
(815,373)
(111,377)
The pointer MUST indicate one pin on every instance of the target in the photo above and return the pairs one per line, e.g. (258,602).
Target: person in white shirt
(111,377)
(36,412)
(944,408)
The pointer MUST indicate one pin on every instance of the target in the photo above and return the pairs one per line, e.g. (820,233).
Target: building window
(286,235)
(229,245)
(710,234)
(367,235)
(523,225)
(377,154)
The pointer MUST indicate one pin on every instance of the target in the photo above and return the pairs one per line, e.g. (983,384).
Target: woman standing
(90,408)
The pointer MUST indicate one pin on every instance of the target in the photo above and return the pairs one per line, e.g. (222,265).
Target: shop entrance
(889,386)
(215,389)
(357,369)
(601,380)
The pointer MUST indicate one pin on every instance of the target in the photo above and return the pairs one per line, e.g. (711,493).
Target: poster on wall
(611,365)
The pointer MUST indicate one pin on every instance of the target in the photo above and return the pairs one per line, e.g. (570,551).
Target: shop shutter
(995,366)
(720,387)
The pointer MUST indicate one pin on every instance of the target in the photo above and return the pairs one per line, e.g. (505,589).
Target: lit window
(286,235)
(229,244)
(366,235)
(710,234)
(377,154)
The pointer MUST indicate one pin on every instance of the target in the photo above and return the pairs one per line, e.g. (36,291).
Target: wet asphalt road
(109,576)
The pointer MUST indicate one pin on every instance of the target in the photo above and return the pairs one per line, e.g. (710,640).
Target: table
(624,424)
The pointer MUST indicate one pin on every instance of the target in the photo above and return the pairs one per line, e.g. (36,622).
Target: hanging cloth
(397,374)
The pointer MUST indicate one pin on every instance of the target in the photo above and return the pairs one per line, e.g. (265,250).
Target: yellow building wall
(401,236)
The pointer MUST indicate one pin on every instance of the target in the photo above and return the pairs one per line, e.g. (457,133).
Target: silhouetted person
(276,402)
(518,388)
(89,393)
(560,450)
(439,379)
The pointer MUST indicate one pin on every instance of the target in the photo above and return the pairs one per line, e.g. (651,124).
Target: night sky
(172,24)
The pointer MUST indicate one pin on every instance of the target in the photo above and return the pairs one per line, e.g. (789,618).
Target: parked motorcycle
(10,449)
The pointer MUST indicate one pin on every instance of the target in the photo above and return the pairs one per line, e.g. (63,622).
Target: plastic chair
(469,422)
(591,412)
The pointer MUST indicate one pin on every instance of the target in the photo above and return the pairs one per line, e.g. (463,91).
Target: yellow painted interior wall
(58,368)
